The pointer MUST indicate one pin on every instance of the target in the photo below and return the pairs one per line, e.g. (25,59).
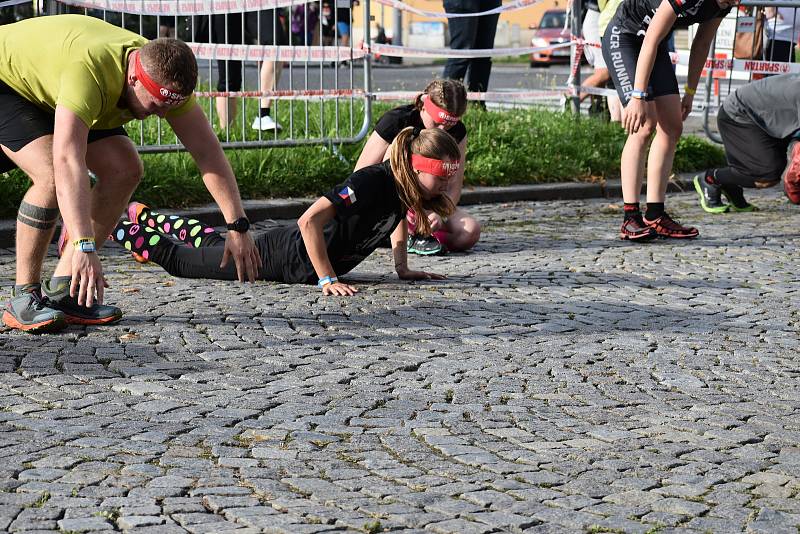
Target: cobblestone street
(560,380)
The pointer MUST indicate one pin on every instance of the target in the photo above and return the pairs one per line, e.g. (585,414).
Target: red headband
(159,92)
(439,115)
(435,167)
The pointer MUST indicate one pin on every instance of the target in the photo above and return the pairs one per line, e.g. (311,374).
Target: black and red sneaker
(666,226)
(634,229)
(791,175)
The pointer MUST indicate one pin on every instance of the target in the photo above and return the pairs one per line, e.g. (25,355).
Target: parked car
(549,32)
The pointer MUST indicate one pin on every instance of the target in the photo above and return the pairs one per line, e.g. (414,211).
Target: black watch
(240,225)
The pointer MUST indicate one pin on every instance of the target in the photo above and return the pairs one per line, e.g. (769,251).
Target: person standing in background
(468,33)
(783,30)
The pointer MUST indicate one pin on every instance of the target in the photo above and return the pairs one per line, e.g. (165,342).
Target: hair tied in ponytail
(416,131)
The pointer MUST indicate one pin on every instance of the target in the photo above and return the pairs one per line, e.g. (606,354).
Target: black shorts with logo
(621,52)
(22,122)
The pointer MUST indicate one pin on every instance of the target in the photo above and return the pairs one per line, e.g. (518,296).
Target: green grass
(505,147)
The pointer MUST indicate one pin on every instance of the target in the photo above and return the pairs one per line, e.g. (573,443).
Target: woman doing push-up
(332,237)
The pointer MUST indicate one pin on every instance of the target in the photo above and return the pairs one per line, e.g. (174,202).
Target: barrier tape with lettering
(405,51)
(274,53)
(512,6)
(182,7)
(211,7)
(332,94)
(753,65)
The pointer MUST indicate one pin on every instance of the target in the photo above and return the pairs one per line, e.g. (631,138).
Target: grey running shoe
(30,312)
(424,245)
(57,292)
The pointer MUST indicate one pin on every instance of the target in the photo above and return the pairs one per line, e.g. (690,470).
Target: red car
(549,32)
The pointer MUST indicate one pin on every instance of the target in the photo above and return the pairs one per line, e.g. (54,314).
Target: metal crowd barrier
(321,97)
(724,73)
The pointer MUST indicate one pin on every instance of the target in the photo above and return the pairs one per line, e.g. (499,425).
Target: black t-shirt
(368,209)
(634,16)
(394,120)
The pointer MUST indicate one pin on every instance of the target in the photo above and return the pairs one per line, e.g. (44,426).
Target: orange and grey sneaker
(58,298)
(791,175)
(634,229)
(666,226)
(30,311)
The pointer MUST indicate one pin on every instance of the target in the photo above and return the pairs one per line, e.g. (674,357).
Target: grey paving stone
(88,524)
(558,375)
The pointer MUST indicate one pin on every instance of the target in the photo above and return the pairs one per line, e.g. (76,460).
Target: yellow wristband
(688,90)
(83,240)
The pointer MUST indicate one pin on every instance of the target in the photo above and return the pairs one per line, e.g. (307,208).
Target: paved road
(559,381)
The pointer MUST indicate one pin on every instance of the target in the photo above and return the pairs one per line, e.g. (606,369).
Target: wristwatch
(240,225)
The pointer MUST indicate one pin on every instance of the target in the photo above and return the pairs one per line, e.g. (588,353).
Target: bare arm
(456,184)
(311,224)
(697,59)
(194,131)
(659,28)
(700,47)
(374,151)
(72,189)
(400,254)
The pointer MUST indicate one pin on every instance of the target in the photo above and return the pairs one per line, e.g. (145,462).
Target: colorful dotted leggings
(145,235)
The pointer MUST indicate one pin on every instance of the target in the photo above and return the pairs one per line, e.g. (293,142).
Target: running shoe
(29,311)
(424,245)
(736,200)
(791,175)
(634,229)
(666,226)
(57,293)
(710,195)
(265,124)
(135,210)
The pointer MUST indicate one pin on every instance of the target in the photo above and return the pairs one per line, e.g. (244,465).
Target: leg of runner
(189,231)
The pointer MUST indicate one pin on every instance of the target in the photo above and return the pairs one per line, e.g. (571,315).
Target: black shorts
(621,52)
(22,122)
(750,151)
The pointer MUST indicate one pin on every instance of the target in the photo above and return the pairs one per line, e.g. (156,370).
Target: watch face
(239,225)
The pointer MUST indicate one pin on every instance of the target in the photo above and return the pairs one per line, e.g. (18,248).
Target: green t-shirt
(73,61)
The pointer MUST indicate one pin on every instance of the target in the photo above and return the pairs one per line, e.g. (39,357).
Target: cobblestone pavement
(559,381)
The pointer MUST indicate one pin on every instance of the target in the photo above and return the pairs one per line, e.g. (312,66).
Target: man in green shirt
(67,85)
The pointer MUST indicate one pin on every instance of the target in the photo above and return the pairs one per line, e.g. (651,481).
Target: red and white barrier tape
(753,65)
(182,7)
(405,51)
(332,94)
(274,53)
(298,94)
(216,7)
(511,6)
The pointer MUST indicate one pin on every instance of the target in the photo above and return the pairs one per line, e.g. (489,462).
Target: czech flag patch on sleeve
(348,195)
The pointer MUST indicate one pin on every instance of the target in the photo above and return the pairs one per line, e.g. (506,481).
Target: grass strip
(521,146)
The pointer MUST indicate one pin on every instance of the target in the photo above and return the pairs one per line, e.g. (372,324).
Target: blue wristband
(641,95)
(324,281)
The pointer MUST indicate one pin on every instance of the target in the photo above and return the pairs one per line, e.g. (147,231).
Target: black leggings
(187,248)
